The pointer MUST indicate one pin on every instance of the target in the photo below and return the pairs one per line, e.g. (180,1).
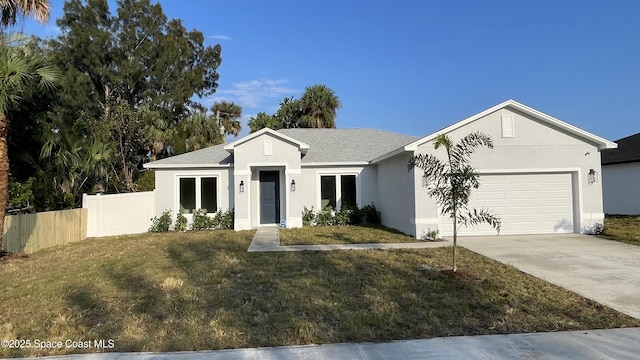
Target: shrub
(201,221)
(308,216)
(432,234)
(355,216)
(598,229)
(371,214)
(325,217)
(181,222)
(223,219)
(341,217)
(162,223)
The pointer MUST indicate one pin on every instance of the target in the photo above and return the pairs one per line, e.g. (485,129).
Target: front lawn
(622,228)
(324,235)
(203,290)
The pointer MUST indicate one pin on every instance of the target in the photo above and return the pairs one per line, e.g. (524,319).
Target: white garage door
(526,203)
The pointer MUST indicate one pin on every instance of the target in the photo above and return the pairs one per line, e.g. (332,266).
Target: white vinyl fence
(119,214)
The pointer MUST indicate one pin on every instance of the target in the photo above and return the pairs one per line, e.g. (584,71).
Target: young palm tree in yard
(319,105)
(451,181)
(19,70)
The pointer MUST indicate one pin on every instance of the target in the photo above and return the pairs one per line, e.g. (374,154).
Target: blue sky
(417,66)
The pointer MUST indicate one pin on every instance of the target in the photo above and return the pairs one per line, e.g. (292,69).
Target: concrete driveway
(602,270)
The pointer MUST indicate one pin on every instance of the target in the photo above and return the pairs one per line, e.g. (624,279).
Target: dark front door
(269,197)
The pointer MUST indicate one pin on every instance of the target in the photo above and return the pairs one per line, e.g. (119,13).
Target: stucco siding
(396,194)
(534,148)
(621,188)
(167,188)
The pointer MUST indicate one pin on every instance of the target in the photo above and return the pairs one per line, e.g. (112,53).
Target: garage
(534,203)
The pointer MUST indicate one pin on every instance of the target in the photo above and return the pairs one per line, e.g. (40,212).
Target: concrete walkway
(593,344)
(268,239)
(605,271)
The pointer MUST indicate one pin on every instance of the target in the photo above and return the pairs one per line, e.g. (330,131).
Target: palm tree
(453,180)
(319,105)
(19,70)
(11,9)
(228,114)
(200,131)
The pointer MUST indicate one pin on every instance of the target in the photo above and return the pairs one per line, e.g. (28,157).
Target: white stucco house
(536,178)
(621,177)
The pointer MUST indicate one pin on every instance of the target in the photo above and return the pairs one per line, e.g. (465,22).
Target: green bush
(181,222)
(342,217)
(308,216)
(325,217)
(355,216)
(371,214)
(223,219)
(162,223)
(146,181)
(201,221)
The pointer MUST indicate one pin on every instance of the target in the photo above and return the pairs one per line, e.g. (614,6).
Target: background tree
(20,70)
(452,181)
(263,120)
(12,9)
(319,105)
(228,114)
(315,109)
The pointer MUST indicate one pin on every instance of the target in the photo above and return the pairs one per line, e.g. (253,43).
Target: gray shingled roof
(628,151)
(214,155)
(326,145)
(347,145)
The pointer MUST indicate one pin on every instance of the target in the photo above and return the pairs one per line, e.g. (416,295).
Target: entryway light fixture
(293,185)
(241,186)
(425,181)
(592,176)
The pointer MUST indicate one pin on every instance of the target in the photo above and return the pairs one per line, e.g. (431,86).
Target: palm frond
(476,217)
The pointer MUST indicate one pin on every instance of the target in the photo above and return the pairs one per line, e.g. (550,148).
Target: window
(332,185)
(198,193)
(348,190)
(328,191)
(187,195)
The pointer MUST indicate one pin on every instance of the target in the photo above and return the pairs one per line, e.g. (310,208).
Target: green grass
(324,235)
(622,228)
(202,290)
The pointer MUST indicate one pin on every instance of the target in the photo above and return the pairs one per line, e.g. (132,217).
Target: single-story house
(540,177)
(621,177)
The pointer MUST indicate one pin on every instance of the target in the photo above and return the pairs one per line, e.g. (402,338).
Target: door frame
(279,195)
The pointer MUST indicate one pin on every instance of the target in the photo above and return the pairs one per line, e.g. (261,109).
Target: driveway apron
(605,271)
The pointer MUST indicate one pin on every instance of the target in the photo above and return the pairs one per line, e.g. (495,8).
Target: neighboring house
(621,177)
(536,178)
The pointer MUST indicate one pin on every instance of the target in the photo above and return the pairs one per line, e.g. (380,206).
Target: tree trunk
(4,172)
(455,239)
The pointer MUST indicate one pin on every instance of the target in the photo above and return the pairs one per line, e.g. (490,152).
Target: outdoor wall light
(241,186)
(425,181)
(293,185)
(592,176)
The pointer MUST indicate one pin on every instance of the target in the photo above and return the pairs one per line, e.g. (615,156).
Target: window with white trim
(337,190)
(198,192)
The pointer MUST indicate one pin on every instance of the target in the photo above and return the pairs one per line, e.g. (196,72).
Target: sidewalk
(267,239)
(592,344)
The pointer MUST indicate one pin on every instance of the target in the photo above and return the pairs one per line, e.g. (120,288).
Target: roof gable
(601,143)
(628,151)
(303,147)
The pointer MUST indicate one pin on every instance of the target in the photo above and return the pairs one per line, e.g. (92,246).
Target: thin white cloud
(220,37)
(255,94)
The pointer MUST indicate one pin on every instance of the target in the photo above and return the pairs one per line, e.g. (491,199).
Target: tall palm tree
(319,105)
(19,70)
(229,114)
(11,9)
